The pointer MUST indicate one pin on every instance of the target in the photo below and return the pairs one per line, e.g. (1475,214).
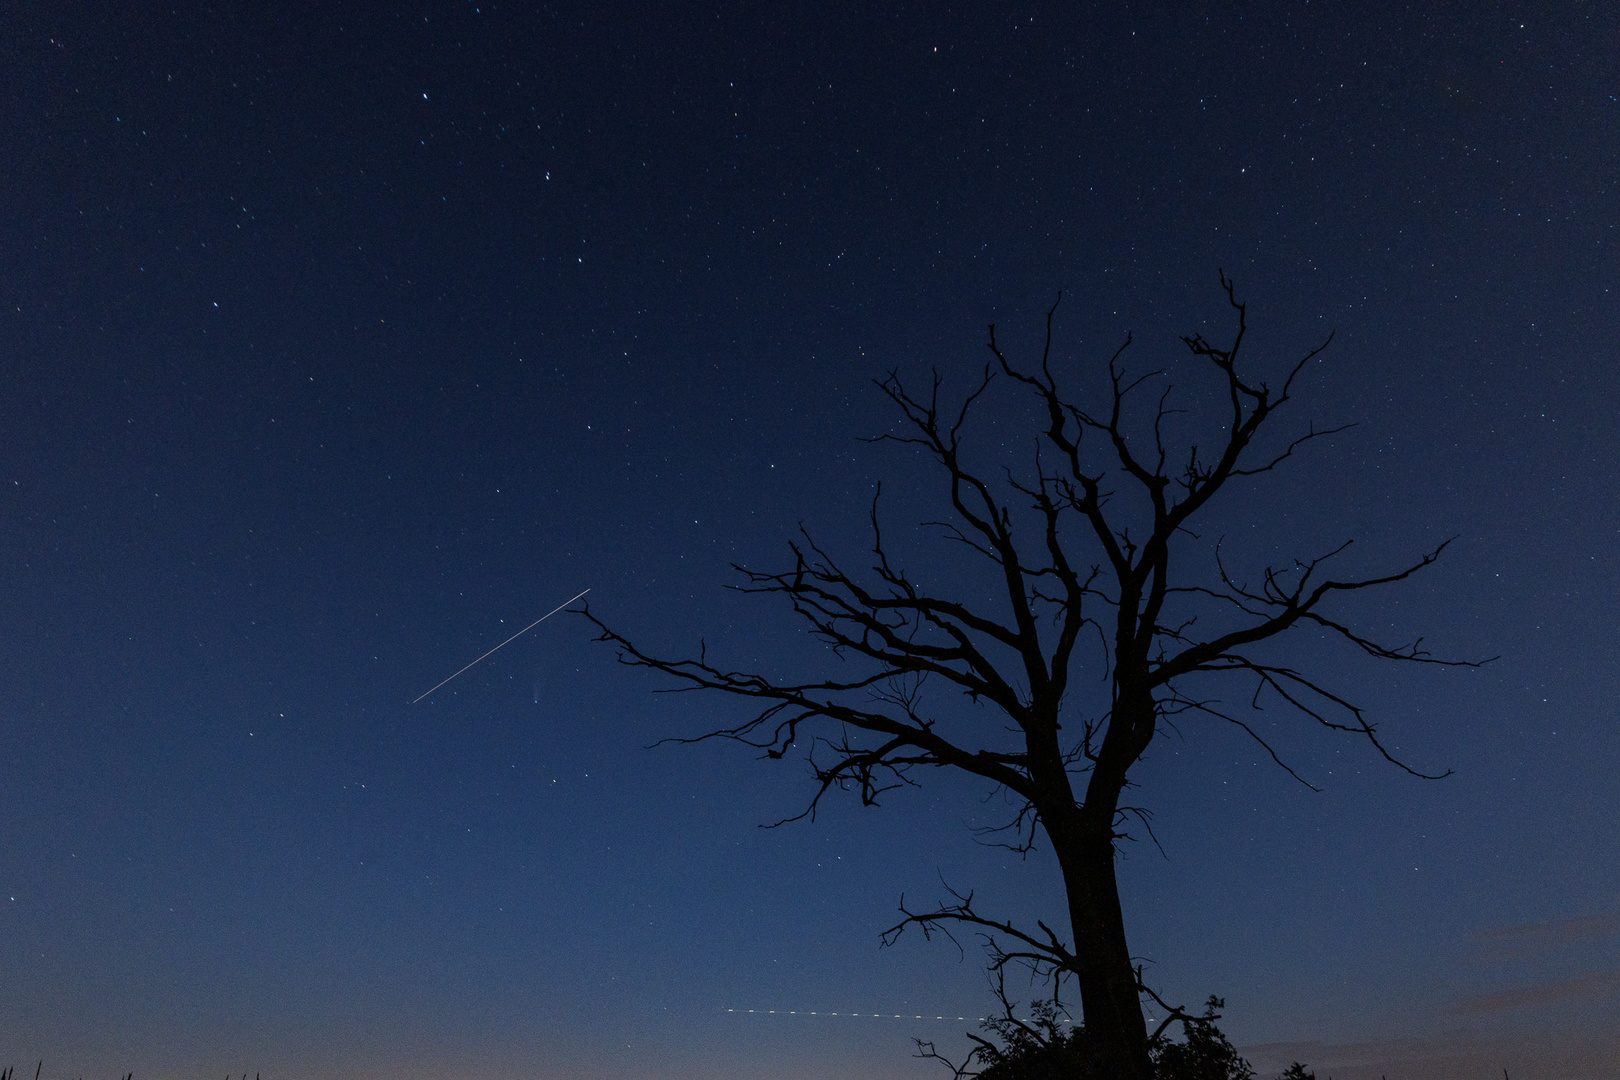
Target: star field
(339,342)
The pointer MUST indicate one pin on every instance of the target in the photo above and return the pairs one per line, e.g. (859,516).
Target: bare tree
(1079,552)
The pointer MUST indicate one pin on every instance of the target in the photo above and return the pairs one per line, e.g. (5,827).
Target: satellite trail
(508,641)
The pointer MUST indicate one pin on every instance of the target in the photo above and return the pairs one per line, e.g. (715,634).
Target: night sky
(338,343)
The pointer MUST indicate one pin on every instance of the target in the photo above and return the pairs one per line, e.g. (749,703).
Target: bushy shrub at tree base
(1206,1055)
(1041,1049)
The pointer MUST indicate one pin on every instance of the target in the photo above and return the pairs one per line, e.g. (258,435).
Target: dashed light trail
(874,1016)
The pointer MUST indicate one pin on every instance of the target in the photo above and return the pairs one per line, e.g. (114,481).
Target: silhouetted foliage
(1039,1049)
(1044,1046)
(1205,1055)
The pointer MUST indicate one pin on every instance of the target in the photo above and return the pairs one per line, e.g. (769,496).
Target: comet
(508,641)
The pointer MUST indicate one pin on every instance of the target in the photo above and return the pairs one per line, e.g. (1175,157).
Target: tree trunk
(1108,993)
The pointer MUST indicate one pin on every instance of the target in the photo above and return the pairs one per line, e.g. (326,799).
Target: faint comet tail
(508,641)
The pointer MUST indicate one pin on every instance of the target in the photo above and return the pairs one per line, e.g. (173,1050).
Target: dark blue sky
(338,343)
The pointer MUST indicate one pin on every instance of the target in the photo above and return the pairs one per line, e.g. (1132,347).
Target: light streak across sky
(508,641)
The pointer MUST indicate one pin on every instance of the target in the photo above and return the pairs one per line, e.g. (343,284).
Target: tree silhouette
(1081,552)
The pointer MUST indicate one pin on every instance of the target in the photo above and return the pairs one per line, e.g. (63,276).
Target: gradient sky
(338,342)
